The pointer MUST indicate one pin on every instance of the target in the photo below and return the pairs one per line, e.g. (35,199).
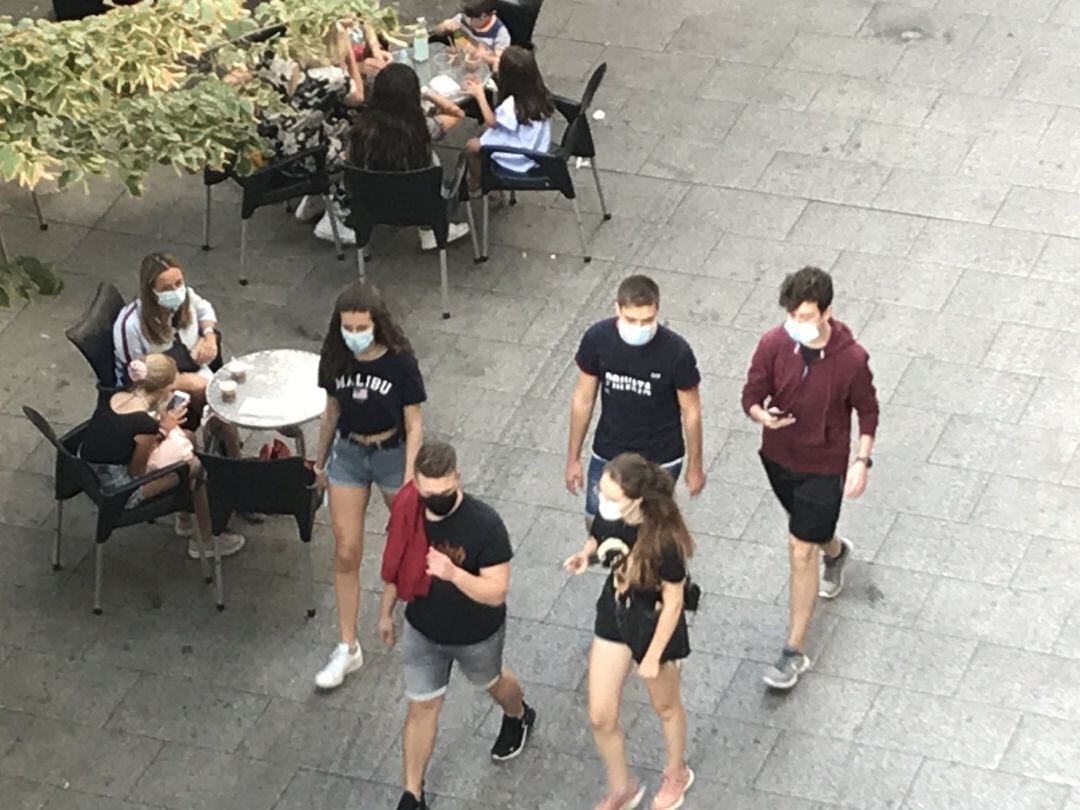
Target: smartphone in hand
(177,400)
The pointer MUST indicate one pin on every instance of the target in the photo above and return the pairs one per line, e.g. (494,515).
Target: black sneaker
(410,802)
(513,735)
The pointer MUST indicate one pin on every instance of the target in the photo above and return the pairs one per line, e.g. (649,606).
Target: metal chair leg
(334,227)
(472,233)
(361,267)
(59,534)
(206,219)
(444,281)
(219,584)
(487,217)
(99,571)
(204,562)
(599,190)
(243,251)
(513,198)
(310,577)
(42,224)
(581,230)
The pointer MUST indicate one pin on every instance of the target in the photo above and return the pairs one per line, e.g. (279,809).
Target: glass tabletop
(279,389)
(452,63)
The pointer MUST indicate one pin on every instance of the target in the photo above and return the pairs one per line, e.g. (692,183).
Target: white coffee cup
(228,389)
(237,369)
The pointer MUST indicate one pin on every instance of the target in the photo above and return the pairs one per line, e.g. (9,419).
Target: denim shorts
(596,471)
(354,465)
(428,665)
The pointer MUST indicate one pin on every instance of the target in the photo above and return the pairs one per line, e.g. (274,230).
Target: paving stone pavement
(923,151)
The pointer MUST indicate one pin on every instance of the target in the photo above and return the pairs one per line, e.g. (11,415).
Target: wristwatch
(869,462)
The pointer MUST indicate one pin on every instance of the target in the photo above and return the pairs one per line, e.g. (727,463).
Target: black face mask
(441,504)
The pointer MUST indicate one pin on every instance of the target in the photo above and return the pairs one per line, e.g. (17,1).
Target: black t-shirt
(672,564)
(639,404)
(110,436)
(474,537)
(373,394)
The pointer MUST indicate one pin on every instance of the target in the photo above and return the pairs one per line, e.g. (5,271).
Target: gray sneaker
(832,577)
(785,673)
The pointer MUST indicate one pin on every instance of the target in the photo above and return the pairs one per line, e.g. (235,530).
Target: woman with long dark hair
(394,132)
(521,118)
(370,434)
(640,619)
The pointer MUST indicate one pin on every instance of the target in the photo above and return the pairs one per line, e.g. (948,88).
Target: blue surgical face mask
(802,332)
(357,342)
(171,299)
(636,334)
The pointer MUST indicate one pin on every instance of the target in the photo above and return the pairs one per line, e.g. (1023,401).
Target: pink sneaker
(673,787)
(626,799)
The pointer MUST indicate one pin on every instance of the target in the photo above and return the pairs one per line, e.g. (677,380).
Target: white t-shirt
(535,135)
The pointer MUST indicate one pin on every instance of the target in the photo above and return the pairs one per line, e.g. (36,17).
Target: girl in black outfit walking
(640,619)
(370,434)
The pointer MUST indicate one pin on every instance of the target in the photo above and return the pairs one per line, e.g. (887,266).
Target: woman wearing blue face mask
(170,318)
(370,434)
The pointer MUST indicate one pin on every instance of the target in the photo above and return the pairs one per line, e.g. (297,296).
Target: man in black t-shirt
(648,381)
(461,620)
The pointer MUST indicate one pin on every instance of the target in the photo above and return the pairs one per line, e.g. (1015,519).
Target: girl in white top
(522,117)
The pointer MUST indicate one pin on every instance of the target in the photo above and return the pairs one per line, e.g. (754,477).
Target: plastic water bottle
(420,40)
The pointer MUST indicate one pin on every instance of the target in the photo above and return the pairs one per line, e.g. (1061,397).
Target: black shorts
(812,501)
(634,626)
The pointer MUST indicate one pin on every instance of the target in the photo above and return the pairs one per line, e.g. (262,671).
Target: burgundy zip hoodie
(821,401)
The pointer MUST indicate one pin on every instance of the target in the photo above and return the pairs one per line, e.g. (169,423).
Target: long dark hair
(662,523)
(154,320)
(519,78)
(391,134)
(358,297)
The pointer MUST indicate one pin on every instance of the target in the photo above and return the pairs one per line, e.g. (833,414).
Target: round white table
(279,392)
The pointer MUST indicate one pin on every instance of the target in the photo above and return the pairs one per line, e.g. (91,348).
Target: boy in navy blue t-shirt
(648,380)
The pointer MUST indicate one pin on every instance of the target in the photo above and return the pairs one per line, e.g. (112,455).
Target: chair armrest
(316,152)
(568,108)
(535,154)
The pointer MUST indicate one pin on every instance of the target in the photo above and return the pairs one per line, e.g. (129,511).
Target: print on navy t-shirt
(639,385)
(372,394)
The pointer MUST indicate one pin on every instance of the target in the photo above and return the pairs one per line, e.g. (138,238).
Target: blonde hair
(160,373)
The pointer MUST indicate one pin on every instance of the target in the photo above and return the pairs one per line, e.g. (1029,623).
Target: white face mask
(608,509)
(636,334)
(802,332)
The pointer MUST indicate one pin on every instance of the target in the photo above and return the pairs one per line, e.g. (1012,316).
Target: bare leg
(348,506)
(609,664)
(418,741)
(664,694)
(804,559)
(506,691)
(472,159)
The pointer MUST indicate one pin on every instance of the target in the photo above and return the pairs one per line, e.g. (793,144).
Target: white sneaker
(309,208)
(324,231)
(342,662)
(183,525)
(228,544)
(456,231)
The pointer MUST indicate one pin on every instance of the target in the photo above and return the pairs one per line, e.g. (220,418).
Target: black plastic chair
(277,182)
(75,476)
(519,16)
(93,336)
(76,9)
(283,486)
(551,172)
(413,198)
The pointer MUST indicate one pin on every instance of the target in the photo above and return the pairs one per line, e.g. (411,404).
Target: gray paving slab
(940,727)
(941,785)
(839,771)
(1044,748)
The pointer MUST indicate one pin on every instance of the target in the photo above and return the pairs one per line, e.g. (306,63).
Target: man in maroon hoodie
(805,378)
